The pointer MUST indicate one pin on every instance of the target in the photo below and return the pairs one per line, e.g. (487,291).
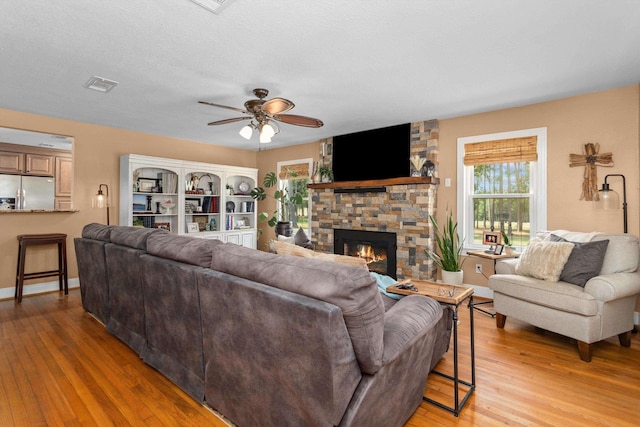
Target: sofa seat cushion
(350,288)
(557,295)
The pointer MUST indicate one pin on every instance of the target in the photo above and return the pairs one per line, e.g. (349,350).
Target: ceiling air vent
(214,6)
(100,84)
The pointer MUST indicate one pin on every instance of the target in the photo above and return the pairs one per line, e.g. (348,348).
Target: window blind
(501,151)
(300,170)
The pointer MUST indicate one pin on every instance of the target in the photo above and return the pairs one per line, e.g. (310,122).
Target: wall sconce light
(101,200)
(609,199)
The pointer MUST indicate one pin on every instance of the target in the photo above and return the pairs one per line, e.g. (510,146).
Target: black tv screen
(373,154)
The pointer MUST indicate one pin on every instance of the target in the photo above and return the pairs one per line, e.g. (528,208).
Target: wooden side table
(495,258)
(454,296)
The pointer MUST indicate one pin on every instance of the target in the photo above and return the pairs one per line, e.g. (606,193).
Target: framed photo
(191,204)
(163,225)
(498,250)
(192,227)
(146,185)
(491,238)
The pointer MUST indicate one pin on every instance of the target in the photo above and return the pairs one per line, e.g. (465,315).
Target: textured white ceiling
(356,65)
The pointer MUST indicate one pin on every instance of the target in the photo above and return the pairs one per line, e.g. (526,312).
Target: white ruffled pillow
(544,260)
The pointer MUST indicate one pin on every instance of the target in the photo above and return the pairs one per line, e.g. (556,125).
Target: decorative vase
(508,250)
(452,277)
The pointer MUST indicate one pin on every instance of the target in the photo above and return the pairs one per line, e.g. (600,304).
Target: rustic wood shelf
(376,183)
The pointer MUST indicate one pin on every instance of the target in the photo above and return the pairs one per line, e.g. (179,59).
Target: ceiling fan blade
(293,119)
(277,105)
(225,121)
(224,106)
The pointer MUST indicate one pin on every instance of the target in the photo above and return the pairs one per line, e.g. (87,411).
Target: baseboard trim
(36,288)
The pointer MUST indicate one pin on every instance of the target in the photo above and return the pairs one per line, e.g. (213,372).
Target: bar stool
(26,240)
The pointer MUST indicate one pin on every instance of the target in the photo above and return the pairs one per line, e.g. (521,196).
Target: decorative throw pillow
(584,262)
(285,248)
(343,259)
(544,260)
(286,239)
(301,239)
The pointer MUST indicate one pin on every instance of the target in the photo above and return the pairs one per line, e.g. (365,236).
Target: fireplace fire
(376,247)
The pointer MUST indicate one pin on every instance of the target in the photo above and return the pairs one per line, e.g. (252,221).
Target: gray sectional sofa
(265,339)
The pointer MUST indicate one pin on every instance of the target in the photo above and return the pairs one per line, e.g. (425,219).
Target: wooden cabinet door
(11,162)
(64,176)
(62,203)
(38,164)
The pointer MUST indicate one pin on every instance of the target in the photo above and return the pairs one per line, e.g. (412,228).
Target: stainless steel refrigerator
(27,192)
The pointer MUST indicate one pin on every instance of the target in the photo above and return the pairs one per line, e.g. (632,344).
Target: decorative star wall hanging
(590,159)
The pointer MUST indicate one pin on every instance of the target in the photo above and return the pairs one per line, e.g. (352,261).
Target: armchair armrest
(609,287)
(506,266)
(407,321)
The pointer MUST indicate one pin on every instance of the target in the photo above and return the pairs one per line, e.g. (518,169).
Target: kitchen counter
(15,211)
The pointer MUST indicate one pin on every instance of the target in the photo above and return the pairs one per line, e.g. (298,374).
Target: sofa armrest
(609,287)
(506,266)
(407,321)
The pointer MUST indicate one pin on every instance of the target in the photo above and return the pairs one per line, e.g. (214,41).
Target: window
(503,186)
(299,215)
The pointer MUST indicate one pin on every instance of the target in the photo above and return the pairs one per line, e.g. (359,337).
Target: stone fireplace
(401,207)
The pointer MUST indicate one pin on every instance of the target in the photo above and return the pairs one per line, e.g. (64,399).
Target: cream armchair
(591,308)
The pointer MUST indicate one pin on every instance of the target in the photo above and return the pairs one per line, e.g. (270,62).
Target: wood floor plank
(59,366)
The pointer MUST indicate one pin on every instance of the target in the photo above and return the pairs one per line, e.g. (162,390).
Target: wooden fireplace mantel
(376,183)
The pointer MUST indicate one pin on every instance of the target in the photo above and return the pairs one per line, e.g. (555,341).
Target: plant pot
(452,277)
(284,228)
(508,250)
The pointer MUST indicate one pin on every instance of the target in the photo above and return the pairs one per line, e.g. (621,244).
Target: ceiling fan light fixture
(264,139)
(267,130)
(246,132)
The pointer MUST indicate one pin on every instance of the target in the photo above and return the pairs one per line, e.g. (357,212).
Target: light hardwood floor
(58,366)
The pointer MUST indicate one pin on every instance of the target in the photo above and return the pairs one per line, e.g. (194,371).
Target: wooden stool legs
(25,240)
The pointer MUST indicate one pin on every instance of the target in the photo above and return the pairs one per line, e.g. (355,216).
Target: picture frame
(146,185)
(193,227)
(498,250)
(191,204)
(163,225)
(491,238)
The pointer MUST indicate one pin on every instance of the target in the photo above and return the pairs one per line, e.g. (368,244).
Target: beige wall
(96,156)
(610,118)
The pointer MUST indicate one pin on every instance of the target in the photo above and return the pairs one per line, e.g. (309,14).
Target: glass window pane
(298,213)
(511,215)
(502,178)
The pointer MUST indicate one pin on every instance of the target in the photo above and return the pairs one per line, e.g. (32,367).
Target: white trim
(538,180)
(36,288)
(309,161)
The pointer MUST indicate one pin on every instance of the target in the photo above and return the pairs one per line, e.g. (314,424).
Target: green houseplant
(326,174)
(507,243)
(281,216)
(449,245)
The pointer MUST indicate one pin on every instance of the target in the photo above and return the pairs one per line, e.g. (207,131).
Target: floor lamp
(101,200)
(609,199)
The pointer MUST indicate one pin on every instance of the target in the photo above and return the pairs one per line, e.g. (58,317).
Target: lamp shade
(101,200)
(607,198)
(246,132)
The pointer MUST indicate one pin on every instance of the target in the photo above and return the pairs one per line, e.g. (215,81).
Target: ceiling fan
(264,114)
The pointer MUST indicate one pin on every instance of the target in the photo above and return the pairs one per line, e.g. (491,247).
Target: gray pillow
(584,262)
(301,239)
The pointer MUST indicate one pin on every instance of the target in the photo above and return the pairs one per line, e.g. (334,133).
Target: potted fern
(449,245)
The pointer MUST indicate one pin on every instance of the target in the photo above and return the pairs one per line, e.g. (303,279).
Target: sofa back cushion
(187,249)
(623,253)
(133,237)
(352,289)
(97,231)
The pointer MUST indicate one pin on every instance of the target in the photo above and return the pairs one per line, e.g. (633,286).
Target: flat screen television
(373,154)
